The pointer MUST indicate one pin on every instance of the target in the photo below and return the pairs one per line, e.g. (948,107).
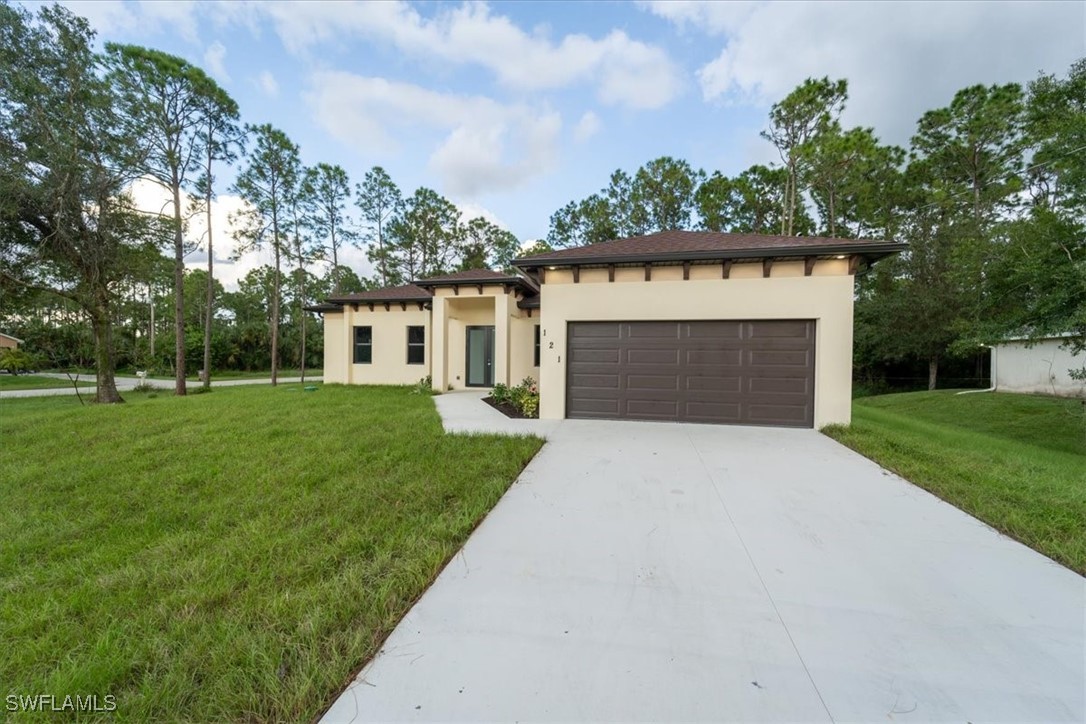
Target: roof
(324,307)
(471,276)
(3,334)
(402,293)
(695,245)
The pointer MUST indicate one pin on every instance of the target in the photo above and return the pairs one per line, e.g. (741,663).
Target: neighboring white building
(1040,367)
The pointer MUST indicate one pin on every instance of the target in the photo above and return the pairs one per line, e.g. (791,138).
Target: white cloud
(901,58)
(489,146)
(268,84)
(588,126)
(214,58)
(625,71)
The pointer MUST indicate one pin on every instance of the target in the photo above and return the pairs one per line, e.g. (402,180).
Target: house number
(550,345)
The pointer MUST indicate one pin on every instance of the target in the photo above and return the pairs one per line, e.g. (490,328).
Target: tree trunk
(933,371)
(381,249)
(178,293)
(151,299)
(209,312)
(105,361)
(301,315)
(275,311)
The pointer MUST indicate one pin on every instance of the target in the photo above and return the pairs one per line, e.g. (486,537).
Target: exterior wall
(1040,369)
(522,346)
(825,296)
(337,359)
(389,365)
(460,314)
(7,342)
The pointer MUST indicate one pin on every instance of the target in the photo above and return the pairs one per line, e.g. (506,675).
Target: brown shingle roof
(469,275)
(404,293)
(679,245)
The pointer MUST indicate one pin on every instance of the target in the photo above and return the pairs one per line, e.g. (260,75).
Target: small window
(363,345)
(416,345)
(537,345)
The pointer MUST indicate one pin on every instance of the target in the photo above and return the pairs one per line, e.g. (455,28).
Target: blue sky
(513,109)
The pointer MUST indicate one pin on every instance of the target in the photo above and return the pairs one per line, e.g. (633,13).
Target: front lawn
(1017,462)
(10,383)
(232,556)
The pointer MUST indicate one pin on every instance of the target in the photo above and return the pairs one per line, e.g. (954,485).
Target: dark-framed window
(537,345)
(363,345)
(416,345)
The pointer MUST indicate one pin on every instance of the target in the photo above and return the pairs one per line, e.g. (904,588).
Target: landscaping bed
(236,556)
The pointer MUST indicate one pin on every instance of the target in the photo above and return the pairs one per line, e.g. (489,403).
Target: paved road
(128,383)
(666,572)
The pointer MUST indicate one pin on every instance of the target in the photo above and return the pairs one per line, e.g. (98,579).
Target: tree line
(80,127)
(990,195)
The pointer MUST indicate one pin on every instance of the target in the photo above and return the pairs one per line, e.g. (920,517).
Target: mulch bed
(507,408)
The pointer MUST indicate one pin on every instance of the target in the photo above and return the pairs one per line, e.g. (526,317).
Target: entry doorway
(480,356)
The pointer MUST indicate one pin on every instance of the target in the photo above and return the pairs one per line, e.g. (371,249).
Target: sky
(511,110)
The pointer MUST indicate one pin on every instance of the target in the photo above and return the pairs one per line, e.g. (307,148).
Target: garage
(753,372)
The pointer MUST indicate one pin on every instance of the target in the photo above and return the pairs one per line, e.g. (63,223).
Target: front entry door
(480,363)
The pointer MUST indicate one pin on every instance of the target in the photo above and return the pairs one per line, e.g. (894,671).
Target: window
(363,345)
(537,345)
(416,345)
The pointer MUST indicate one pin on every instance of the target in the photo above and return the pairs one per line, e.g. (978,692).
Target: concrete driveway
(663,572)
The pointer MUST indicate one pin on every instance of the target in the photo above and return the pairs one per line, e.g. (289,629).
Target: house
(693,326)
(9,342)
(1037,365)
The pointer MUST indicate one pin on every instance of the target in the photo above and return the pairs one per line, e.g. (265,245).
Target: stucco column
(438,366)
(348,341)
(501,339)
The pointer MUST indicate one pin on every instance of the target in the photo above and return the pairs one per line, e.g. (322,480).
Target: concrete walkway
(665,572)
(125,384)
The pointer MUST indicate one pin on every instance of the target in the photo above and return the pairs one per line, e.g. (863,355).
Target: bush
(501,393)
(525,397)
(16,361)
(423,387)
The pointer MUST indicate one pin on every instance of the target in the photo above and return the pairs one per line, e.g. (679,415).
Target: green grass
(230,556)
(34,382)
(239,375)
(1017,462)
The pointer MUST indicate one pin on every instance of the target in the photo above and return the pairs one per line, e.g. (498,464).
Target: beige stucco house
(691,326)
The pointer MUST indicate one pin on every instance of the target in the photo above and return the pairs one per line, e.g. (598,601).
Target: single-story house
(9,342)
(1037,366)
(692,326)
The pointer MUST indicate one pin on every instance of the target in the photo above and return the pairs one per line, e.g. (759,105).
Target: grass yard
(1017,462)
(193,375)
(10,383)
(229,556)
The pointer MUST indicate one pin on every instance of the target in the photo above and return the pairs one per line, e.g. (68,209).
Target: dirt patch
(507,408)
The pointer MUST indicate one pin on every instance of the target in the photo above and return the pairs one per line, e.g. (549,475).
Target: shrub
(16,361)
(526,397)
(501,393)
(423,387)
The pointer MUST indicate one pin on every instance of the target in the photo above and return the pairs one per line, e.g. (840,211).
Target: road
(125,384)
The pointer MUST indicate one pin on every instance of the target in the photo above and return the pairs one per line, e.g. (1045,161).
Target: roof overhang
(869,252)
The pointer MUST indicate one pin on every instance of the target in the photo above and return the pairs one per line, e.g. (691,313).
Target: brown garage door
(740,372)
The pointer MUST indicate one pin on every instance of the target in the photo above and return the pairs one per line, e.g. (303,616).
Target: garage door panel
(714,357)
(642,356)
(715,331)
(777,329)
(596,330)
(654,409)
(713,411)
(746,372)
(704,384)
(589,355)
(772,385)
(649,330)
(779,358)
(635,383)
(595,381)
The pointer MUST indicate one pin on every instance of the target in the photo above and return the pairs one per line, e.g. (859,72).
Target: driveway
(665,572)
